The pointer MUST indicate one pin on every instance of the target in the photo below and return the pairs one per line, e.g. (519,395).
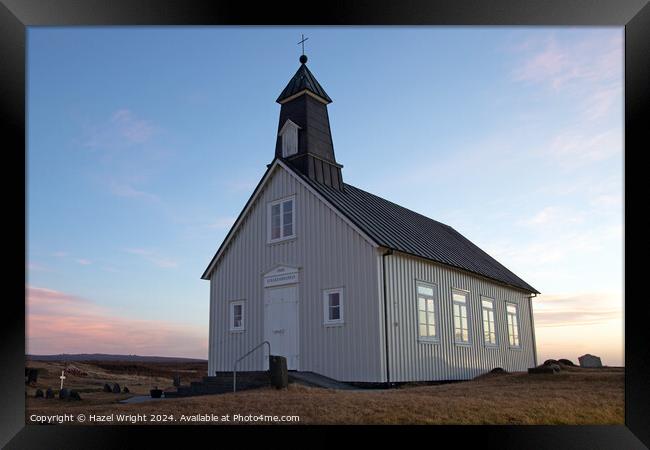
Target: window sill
(333,324)
(238,330)
(518,348)
(463,344)
(492,346)
(422,340)
(280,240)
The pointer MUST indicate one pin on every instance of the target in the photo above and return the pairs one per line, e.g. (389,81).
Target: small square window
(333,306)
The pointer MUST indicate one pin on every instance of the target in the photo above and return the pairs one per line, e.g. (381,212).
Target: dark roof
(303,79)
(395,227)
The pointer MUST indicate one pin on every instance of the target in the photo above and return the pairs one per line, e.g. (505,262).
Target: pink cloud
(58,322)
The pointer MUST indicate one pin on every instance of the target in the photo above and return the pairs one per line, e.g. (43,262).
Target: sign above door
(281,275)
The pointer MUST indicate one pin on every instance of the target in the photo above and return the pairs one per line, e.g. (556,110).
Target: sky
(144,144)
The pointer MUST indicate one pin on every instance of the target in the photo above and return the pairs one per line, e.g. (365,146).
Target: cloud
(584,308)
(58,322)
(552,216)
(123,129)
(36,267)
(222,223)
(576,147)
(83,262)
(153,257)
(595,58)
(128,191)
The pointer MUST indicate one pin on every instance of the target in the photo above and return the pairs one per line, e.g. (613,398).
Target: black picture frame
(16,15)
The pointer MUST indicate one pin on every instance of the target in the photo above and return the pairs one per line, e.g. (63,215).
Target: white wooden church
(351,286)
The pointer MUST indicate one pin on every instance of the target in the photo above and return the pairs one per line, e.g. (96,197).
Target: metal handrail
(234,371)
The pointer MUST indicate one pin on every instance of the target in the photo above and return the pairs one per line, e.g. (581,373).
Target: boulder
(125,390)
(74,395)
(590,361)
(107,388)
(64,394)
(498,370)
(566,362)
(116,388)
(548,362)
(49,393)
(39,393)
(544,369)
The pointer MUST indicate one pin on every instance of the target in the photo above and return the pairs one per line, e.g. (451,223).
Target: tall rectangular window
(513,324)
(461,324)
(427,321)
(281,219)
(333,306)
(237,316)
(489,328)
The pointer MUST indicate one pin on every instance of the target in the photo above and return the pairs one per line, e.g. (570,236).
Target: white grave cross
(62,378)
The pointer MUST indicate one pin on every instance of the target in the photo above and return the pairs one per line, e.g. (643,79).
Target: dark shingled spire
(309,147)
(303,80)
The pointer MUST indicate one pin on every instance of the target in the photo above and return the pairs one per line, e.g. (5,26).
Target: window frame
(494,344)
(464,293)
(326,307)
(269,215)
(231,316)
(516,316)
(436,312)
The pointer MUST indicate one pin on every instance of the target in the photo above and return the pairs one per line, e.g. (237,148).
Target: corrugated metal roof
(401,229)
(303,79)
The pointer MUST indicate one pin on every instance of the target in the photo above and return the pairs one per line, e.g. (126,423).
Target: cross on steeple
(302,42)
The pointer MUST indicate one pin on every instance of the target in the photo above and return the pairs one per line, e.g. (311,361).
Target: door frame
(282,276)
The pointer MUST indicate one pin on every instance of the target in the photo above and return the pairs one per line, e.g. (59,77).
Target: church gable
(313,216)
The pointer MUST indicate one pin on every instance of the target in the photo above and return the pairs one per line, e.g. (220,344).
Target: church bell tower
(304,137)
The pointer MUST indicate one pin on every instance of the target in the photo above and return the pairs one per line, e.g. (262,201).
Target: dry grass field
(573,396)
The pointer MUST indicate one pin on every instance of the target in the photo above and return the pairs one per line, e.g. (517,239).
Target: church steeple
(304,136)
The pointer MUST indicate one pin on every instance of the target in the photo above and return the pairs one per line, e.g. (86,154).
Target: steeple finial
(303,57)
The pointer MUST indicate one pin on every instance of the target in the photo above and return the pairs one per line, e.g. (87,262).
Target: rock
(125,390)
(74,395)
(544,369)
(39,393)
(548,362)
(498,370)
(31,375)
(566,362)
(116,388)
(64,394)
(107,388)
(590,361)
(49,393)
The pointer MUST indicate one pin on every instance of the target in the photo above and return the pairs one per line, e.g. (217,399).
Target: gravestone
(31,375)
(38,394)
(116,388)
(177,380)
(590,361)
(49,393)
(74,395)
(125,390)
(64,394)
(107,388)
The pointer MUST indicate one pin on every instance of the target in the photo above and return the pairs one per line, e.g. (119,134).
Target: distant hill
(106,357)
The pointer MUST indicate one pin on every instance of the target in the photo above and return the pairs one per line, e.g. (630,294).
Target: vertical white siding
(413,360)
(330,254)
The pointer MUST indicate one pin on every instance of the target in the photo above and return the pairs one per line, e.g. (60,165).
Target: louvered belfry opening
(304,102)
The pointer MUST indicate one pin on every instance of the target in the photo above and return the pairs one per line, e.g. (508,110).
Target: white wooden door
(281,323)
